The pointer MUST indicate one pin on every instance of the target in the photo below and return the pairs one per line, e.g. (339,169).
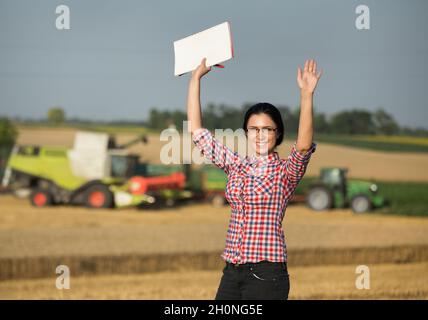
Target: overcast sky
(117,60)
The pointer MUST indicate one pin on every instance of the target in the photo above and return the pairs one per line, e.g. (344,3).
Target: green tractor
(334,190)
(95,173)
(209,183)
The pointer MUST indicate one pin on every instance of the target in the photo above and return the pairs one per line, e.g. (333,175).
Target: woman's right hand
(201,70)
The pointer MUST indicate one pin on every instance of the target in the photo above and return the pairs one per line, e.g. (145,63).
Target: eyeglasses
(265,131)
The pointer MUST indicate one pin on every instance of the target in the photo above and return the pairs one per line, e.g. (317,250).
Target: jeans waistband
(252,264)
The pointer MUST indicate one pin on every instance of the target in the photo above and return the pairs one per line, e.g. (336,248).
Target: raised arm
(211,148)
(303,148)
(193,97)
(307,81)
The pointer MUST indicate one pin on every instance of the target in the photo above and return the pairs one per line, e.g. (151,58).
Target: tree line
(348,122)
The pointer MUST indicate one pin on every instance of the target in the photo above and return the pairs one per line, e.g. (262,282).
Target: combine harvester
(96,172)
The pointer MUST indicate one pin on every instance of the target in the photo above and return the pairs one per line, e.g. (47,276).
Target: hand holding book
(213,44)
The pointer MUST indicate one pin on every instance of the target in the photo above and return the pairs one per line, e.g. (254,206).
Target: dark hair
(272,112)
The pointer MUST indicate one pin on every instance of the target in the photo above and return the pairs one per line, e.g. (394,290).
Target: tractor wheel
(98,196)
(41,198)
(170,202)
(217,200)
(319,198)
(361,203)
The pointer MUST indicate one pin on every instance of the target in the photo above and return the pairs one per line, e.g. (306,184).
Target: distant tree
(230,117)
(418,132)
(155,119)
(162,119)
(352,122)
(211,116)
(321,124)
(355,121)
(8,132)
(177,117)
(290,118)
(56,115)
(385,123)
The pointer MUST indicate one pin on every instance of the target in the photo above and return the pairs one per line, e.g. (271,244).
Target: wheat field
(26,232)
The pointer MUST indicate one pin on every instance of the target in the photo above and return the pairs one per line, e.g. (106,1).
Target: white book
(214,43)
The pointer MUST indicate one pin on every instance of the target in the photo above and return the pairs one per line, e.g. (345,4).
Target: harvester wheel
(319,198)
(41,198)
(170,202)
(99,196)
(361,203)
(217,200)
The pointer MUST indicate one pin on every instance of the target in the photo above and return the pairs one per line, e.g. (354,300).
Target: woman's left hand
(308,79)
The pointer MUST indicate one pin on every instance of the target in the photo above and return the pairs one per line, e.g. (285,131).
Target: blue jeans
(260,280)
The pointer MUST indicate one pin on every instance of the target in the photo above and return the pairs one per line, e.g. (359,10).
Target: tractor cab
(335,178)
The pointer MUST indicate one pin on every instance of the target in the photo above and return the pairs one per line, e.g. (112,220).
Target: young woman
(258,190)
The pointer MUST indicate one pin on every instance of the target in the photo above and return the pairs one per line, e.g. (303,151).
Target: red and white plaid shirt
(258,191)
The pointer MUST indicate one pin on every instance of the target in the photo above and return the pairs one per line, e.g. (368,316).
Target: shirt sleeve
(213,150)
(296,163)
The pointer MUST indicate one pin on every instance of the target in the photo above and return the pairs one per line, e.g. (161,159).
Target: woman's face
(261,133)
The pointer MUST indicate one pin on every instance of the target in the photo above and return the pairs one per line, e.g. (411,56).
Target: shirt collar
(254,159)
